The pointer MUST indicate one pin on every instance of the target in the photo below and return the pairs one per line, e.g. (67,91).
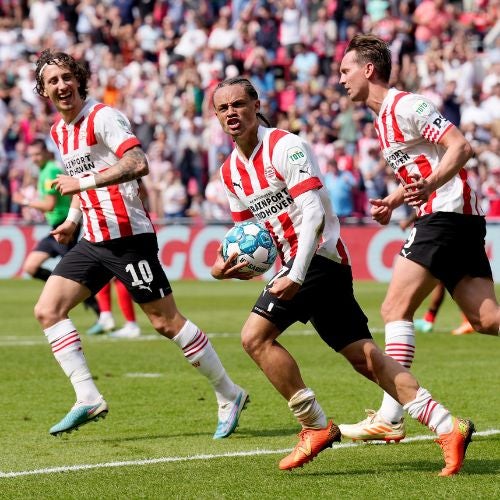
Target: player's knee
(386,310)
(164,326)
(45,314)
(251,343)
(359,357)
(29,270)
(488,325)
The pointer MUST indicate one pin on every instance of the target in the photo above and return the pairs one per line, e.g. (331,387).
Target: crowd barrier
(188,251)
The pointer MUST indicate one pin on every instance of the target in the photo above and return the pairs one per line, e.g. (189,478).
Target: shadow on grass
(250,433)
(471,467)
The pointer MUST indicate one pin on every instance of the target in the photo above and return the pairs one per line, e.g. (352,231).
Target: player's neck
(376,97)
(246,145)
(69,115)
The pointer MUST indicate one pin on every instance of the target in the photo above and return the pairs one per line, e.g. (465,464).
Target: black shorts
(133,260)
(52,247)
(326,299)
(450,246)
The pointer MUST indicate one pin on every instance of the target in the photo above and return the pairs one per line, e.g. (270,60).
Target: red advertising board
(187,252)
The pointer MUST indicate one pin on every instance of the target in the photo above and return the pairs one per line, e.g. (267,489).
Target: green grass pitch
(157,439)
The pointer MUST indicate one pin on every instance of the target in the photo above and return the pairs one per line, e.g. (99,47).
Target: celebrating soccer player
(103,159)
(315,282)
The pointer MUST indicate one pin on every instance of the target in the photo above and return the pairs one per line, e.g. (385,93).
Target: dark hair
(249,91)
(39,142)
(371,49)
(62,59)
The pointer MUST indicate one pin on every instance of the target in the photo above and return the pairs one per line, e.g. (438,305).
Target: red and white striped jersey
(409,129)
(281,167)
(94,141)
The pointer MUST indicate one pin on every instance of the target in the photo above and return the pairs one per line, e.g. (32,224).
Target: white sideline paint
(162,460)
(18,340)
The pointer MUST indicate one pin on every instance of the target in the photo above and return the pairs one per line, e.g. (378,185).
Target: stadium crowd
(159,62)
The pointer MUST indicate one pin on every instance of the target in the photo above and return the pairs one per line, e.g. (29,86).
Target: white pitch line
(162,460)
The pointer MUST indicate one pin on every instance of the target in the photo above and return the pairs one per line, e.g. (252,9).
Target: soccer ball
(254,245)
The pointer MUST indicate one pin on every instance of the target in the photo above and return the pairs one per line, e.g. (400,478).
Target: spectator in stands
(157,83)
(491,192)
(174,195)
(431,19)
(216,206)
(305,63)
(291,26)
(340,185)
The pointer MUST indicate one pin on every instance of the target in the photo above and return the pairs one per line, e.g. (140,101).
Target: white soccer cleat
(102,326)
(374,427)
(131,330)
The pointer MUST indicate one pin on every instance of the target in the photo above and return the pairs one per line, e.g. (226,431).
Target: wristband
(74,215)
(87,182)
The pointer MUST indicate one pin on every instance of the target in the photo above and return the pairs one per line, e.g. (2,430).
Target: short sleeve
(422,114)
(114,130)
(295,161)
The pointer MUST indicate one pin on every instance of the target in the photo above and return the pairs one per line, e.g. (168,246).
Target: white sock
(399,345)
(430,413)
(67,349)
(307,410)
(105,315)
(200,353)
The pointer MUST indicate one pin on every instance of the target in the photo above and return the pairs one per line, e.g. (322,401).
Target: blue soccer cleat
(229,413)
(424,326)
(80,414)
(102,326)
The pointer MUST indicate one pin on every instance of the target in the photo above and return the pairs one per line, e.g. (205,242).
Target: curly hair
(61,59)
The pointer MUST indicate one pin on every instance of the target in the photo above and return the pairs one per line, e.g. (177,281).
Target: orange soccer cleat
(454,445)
(311,442)
(463,329)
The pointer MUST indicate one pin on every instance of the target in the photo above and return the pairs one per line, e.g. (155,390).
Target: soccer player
(55,208)
(103,159)
(427,154)
(273,176)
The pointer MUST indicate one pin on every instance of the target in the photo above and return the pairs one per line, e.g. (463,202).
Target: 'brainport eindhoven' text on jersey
(409,129)
(94,141)
(280,168)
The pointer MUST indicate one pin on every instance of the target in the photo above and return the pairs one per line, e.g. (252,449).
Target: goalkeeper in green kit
(55,208)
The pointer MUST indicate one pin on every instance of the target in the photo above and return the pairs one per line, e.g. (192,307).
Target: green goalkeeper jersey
(47,175)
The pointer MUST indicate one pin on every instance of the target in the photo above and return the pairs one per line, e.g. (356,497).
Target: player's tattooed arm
(132,165)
